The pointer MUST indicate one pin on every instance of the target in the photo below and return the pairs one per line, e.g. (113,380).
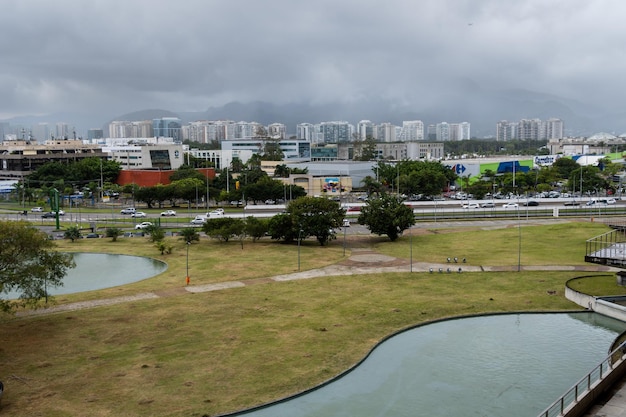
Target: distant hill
(483,108)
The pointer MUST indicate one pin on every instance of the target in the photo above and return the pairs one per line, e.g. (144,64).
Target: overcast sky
(118,56)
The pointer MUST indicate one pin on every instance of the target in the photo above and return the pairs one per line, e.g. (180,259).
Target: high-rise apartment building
(168,127)
(411,131)
(41,132)
(503,131)
(277,131)
(335,132)
(443,131)
(64,131)
(95,134)
(307,131)
(554,129)
(530,129)
(365,129)
(432,132)
(385,132)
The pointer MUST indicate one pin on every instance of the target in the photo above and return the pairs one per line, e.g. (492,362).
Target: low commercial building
(18,158)
(164,157)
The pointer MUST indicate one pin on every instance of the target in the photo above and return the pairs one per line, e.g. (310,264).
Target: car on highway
(509,205)
(168,213)
(138,214)
(471,206)
(143,225)
(531,203)
(597,202)
(198,221)
(52,214)
(215,214)
(37,209)
(128,210)
(611,201)
(488,204)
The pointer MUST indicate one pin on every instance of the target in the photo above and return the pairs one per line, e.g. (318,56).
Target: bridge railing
(577,393)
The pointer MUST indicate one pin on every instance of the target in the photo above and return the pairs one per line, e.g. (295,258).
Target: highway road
(424,211)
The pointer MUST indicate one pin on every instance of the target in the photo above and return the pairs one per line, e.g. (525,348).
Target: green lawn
(210,353)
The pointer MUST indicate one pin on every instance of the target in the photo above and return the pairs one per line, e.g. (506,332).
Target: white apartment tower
(385,132)
(365,129)
(443,131)
(306,131)
(554,129)
(412,130)
(277,131)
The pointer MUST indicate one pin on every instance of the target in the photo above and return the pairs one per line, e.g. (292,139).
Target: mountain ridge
(480,107)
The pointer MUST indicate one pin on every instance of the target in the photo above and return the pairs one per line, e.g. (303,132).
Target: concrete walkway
(611,404)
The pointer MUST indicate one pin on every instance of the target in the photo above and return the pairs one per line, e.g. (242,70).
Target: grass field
(210,353)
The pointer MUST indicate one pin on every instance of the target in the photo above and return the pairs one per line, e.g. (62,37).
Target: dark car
(49,215)
(531,203)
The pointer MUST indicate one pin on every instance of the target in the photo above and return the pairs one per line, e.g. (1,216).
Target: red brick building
(151,177)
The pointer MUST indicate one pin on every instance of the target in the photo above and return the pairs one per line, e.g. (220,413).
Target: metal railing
(584,385)
(607,245)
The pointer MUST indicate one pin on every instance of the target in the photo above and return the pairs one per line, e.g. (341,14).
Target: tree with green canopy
(29,264)
(386,215)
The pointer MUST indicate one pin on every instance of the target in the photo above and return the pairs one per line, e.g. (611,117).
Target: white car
(509,205)
(143,225)
(128,210)
(215,214)
(488,204)
(37,209)
(168,213)
(199,220)
(471,206)
(138,214)
(611,201)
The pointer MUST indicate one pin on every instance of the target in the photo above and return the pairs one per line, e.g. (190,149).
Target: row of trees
(409,177)
(565,175)
(89,175)
(433,178)
(191,186)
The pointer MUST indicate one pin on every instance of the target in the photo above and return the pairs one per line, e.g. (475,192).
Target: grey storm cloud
(117,56)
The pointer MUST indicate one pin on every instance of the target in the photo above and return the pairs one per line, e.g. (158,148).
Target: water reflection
(95,271)
(513,365)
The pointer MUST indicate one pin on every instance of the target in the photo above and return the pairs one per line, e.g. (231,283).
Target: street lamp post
(411,250)
(345,228)
(299,239)
(187,279)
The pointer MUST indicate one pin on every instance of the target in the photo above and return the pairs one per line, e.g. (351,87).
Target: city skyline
(435,59)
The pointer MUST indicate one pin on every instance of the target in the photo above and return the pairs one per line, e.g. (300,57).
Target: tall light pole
(187,279)
(345,228)
(411,250)
(299,239)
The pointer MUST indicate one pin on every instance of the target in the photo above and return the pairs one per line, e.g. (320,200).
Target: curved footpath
(361,261)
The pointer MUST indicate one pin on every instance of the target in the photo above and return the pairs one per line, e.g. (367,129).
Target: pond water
(95,271)
(512,365)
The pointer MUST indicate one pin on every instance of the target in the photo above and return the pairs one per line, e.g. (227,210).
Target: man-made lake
(95,271)
(512,365)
